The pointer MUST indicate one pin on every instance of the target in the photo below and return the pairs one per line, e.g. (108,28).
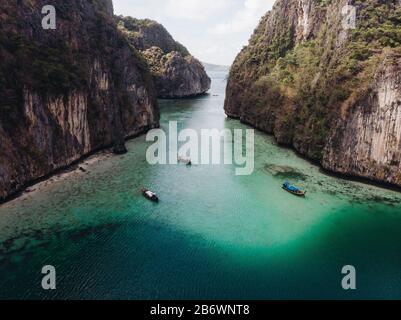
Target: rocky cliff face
(327,87)
(176,73)
(67,92)
(367,142)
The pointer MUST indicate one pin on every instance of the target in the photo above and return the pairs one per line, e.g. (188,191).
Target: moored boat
(150,195)
(293,190)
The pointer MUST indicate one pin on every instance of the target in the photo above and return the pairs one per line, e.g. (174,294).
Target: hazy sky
(213,30)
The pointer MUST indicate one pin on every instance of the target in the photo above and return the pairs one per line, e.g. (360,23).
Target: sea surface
(214,235)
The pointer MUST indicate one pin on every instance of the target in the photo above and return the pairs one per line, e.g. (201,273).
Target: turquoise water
(213,235)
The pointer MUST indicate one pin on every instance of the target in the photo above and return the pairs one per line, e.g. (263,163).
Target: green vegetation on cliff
(175,72)
(293,81)
(146,33)
(66,92)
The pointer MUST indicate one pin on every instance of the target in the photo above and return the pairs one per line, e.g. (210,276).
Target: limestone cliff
(176,73)
(67,92)
(367,142)
(326,84)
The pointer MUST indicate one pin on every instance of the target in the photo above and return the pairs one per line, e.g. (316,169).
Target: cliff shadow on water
(266,269)
(213,235)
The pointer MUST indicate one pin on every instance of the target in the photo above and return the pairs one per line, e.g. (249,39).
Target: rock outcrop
(367,143)
(68,92)
(176,73)
(326,84)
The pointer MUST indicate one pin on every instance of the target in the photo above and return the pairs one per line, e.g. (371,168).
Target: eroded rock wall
(324,85)
(67,92)
(176,73)
(367,141)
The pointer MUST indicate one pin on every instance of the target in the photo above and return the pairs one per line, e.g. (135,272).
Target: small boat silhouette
(293,190)
(150,195)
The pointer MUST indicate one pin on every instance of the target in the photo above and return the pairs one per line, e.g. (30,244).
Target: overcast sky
(213,30)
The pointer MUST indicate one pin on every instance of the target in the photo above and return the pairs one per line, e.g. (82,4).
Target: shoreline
(77,168)
(347,177)
(73,167)
(82,165)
